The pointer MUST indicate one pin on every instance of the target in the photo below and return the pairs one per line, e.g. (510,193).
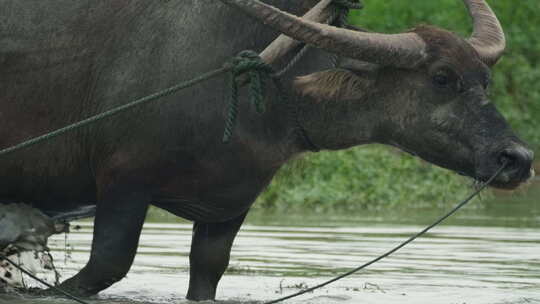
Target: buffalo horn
(406,50)
(283,44)
(488,36)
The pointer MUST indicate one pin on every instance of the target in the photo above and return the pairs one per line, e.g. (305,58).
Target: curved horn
(488,36)
(283,44)
(401,50)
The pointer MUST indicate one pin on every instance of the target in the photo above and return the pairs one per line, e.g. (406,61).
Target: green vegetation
(373,178)
(367,178)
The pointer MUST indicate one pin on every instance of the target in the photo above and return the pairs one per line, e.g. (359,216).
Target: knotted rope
(259,71)
(247,63)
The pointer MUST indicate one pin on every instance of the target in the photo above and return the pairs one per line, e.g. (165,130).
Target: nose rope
(388,253)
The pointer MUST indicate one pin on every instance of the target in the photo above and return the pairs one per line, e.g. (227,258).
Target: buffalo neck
(335,125)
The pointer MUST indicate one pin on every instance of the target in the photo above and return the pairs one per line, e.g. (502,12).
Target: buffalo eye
(441,80)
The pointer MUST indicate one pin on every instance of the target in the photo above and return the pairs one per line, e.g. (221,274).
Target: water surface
(485,255)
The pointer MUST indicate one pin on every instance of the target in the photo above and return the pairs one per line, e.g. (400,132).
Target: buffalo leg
(209,257)
(117,226)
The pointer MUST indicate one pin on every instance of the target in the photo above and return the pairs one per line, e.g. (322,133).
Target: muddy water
(484,255)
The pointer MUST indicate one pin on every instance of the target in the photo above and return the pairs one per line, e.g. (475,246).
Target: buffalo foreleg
(209,257)
(119,219)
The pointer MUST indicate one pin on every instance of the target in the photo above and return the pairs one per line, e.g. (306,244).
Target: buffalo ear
(335,84)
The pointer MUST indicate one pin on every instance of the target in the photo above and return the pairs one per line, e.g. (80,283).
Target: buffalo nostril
(507,158)
(518,161)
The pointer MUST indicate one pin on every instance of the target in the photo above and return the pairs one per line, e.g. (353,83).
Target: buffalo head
(424,91)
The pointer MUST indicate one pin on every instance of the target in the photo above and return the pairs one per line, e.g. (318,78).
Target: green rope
(232,112)
(115,111)
(246,61)
(258,72)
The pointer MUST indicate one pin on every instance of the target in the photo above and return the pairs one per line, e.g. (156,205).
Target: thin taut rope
(393,250)
(115,111)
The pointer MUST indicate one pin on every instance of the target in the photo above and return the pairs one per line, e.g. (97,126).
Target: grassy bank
(378,177)
(367,178)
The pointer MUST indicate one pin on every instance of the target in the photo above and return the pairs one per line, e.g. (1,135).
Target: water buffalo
(423,91)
